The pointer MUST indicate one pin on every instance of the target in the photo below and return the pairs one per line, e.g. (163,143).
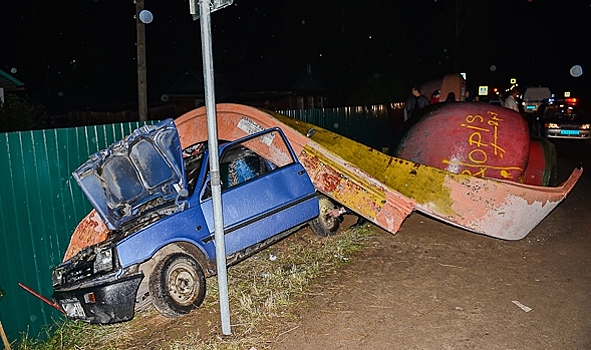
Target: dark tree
(17,113)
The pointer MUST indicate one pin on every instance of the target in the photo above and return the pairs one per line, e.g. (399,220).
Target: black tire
(177,285)
(325,225)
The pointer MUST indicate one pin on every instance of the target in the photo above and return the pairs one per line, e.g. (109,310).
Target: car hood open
(144,170)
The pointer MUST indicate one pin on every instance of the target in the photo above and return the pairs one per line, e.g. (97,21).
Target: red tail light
(571,100)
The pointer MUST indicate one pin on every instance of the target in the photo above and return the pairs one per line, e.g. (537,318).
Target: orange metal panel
(90,230)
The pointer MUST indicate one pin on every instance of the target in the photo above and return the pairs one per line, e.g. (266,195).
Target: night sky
(80,54)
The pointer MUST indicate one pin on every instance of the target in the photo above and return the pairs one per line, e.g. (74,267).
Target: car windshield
(193,157)
(563,112)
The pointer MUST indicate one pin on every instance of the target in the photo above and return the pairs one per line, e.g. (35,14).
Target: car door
(265,191)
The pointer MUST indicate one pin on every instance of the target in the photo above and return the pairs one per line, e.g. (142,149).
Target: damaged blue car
(155,199)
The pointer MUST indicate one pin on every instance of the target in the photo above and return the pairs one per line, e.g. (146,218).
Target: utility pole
(141,63)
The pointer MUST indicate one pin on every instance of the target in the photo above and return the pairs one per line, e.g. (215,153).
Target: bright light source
(576,71)
(146,16)
(571,100)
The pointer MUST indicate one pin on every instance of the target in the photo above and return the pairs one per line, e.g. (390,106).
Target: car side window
(252,158)
(240,165)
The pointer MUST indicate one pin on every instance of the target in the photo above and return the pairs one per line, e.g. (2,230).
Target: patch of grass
(77,335)
(263,290)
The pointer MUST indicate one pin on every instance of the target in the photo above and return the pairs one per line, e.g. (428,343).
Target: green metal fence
(40,206)
(372,125)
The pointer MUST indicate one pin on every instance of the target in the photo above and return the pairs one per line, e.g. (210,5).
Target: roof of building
(8,82)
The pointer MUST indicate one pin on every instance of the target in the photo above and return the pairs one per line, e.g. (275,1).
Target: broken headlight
(56,276)
(103,261)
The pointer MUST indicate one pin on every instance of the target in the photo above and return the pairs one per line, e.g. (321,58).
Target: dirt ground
(434,286)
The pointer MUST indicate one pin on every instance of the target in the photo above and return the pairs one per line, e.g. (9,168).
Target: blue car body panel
(182,227)
(252,212)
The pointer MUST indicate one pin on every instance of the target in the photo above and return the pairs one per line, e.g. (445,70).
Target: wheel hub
(182,285)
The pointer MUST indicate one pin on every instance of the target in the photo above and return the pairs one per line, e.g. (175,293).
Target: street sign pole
(214,166)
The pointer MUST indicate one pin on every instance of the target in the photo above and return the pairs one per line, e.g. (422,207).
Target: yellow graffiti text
(482,151)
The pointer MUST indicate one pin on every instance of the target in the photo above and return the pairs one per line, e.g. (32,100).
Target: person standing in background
(467,97)
(511,101)
(414,103)
(435,96)
(496,100)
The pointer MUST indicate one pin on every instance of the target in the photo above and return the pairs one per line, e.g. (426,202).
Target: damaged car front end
(131,184)
(93,287)
(157,239)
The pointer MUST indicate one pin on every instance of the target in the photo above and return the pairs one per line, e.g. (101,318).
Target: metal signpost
(205,9)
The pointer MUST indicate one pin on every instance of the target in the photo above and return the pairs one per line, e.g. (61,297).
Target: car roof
(537,93)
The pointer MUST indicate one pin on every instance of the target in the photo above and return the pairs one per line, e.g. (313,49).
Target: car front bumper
(104,302)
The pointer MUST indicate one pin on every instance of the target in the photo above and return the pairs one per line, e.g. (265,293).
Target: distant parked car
(156,199)
(533,97)
(563,119)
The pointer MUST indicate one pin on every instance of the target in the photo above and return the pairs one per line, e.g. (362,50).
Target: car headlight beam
(552,126)
(586,126)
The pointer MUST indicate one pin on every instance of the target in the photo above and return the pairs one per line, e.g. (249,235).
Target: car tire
(325,225)
(177,285)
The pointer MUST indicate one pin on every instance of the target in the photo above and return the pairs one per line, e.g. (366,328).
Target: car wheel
(177,285)
(325,224)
